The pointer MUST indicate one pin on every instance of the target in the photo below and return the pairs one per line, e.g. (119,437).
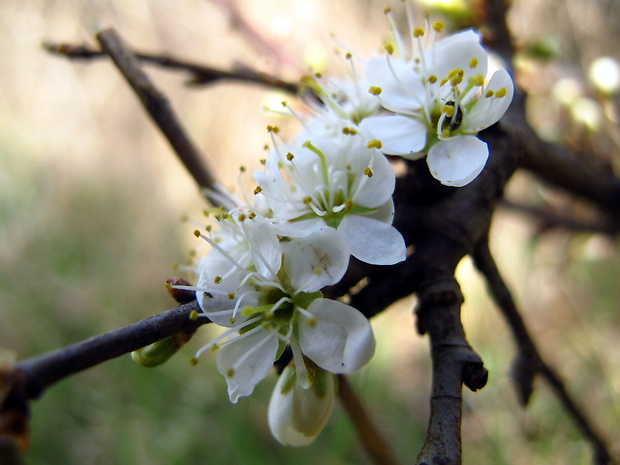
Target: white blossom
(338,182)
(267,293)
(440,99)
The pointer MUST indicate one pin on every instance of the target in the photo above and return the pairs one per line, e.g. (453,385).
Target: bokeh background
(91,201)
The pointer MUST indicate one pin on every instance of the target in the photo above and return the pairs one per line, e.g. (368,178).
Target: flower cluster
(326,195)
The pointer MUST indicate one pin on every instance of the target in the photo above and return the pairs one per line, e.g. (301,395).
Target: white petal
(385,213)
(488,110)
(297,415)
(399,135)
(246,360)
(457,161)
(378,188)
(373,241)
(264,245)
(215,265)
(317,260)
(402,89)
(338,338)
(456,51)
(298,228)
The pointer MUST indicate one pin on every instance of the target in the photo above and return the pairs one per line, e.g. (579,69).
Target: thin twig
(200,74)
(158,108)
(44,370)
(375,445)
(529,361)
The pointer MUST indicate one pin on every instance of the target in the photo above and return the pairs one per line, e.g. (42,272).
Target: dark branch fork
(442,224)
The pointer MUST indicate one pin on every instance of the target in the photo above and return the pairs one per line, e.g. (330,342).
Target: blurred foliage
(90,201)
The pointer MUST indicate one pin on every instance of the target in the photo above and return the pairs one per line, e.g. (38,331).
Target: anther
(432,79)
(473,63)
(258,190)
(368,171)
(438,26)
(274,129)
(193,315)
(389,48)
(290,156)
(242,169)
(263,161)
(252,215)
(230,372)
(374,90)
(501,93)
(196,233)
(193,361)
(374,143)
(231,296)
(448,110)
(418,32)
(489,94)
(217,279)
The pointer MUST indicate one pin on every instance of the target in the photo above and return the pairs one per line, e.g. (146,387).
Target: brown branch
(497,35)
(529,362)
(548,220)
(454,364)
(158,108)
(200,74)
(44,370)
(375,445)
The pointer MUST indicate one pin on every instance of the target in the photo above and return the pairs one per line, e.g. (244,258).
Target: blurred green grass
(90,201)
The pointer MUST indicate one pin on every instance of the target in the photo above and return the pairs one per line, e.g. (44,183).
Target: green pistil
(309,145)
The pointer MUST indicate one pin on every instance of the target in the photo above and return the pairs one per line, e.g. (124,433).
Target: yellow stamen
(473,63)
(258,190)
(501,93)
(418,32)
(374,90)
(368,172)
(374,143)
(437,26)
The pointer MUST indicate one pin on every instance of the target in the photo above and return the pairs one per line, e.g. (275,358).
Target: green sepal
(304,299)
